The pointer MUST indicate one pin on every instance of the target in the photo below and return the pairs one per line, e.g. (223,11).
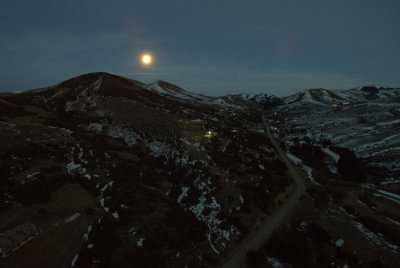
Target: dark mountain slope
(157,180)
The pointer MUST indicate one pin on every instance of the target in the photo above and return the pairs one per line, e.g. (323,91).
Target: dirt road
(259,237)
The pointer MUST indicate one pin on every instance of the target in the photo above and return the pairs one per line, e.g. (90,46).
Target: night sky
(210,47)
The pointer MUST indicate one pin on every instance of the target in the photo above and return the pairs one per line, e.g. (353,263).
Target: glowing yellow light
(209,134)
(146,59)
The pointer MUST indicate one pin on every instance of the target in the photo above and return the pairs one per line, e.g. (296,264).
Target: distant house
(14,238)
(209,134)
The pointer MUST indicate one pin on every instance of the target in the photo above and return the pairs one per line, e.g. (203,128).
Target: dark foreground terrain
(109,171)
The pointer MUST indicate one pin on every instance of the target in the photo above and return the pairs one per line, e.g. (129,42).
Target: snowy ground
(370,129)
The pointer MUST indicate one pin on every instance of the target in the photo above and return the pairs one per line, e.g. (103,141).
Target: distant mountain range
(320,96)
(323,97)
(309,97)
(230,101)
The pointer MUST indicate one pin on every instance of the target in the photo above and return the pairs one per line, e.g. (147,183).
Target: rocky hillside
(155,179)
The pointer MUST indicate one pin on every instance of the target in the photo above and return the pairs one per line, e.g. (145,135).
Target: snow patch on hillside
(309,174)
(183,194)
(128,135)
(376,238)
(85,99)
(332,154)
(295,159)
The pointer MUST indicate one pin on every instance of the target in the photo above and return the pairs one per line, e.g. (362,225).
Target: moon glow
(146,59)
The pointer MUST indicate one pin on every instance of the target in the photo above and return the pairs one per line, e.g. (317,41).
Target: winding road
(260,236)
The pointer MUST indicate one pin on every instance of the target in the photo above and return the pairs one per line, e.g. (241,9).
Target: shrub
(89,211)
(236,221)
(140,258)
(365,198)
(350,209)
(337,195)
(290,247)
(318,234)
(351,166)
(254,258)
(310,154)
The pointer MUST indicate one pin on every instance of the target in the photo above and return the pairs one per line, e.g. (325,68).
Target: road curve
(260,236)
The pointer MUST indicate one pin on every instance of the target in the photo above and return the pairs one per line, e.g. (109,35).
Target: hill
(172,174)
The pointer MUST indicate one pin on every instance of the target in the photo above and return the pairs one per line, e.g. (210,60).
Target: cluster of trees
(255,140)
(290,247)
(310,154)
(350,166)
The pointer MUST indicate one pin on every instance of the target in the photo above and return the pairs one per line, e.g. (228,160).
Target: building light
(209,134)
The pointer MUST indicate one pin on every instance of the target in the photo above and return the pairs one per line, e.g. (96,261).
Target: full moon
(146,59)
